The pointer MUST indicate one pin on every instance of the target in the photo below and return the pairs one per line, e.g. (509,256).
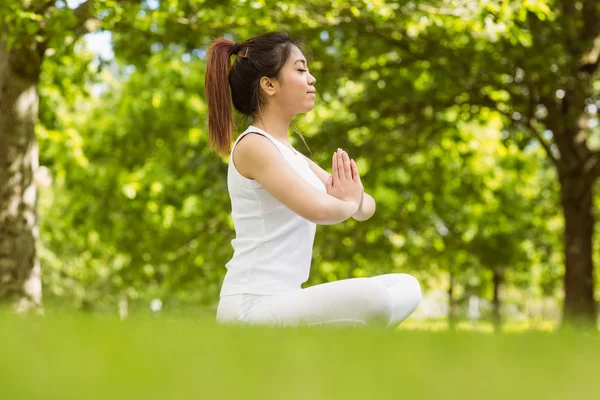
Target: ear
(268,85)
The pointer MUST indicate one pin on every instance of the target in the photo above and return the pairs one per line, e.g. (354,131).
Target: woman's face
(296,92)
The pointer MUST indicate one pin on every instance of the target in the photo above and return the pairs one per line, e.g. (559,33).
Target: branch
(40,7)
(486,101)
(532,123)
(47,5)
(85,19)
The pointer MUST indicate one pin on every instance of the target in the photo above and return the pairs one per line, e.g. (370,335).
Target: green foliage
(428,98)
(147,202)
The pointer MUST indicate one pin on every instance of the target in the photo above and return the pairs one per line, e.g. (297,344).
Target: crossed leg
(384,300)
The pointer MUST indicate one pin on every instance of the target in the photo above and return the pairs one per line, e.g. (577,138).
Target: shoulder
(252,153)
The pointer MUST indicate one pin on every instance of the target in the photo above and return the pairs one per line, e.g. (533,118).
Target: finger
(340,167)
(354,170)
(358,179)
(334,167)
(347,169)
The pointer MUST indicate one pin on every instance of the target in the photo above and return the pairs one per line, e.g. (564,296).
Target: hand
(344,183)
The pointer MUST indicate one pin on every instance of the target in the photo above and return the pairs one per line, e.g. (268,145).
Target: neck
(275,124)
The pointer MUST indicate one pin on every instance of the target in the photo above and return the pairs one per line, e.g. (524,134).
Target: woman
(278,196)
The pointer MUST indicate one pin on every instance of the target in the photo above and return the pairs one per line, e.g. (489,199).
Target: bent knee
(376,304)
(413,291)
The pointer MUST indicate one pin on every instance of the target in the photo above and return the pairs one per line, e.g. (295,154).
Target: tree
(549,101)
(30,30)
(424,66)
(396,78)
(21,59)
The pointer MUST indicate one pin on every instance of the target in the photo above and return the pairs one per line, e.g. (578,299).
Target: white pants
(384,300)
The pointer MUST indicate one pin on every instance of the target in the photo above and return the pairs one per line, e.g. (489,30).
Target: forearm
(335,211)
(366,210)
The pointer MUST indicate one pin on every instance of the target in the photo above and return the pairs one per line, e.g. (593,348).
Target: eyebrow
(302,61)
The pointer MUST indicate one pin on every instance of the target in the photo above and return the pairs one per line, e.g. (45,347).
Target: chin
(309,108)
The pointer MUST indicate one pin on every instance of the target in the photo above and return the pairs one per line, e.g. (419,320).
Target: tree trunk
(451,305)
(497,282)
(577,202)
(20,281)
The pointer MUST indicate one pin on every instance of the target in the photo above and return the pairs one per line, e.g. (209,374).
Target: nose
(312,80)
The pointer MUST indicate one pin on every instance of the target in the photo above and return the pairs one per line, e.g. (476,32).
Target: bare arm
(261,160)
(368,205)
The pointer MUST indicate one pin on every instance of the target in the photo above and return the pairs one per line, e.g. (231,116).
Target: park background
(474,125)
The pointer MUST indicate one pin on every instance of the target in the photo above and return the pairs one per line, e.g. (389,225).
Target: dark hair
(262,55)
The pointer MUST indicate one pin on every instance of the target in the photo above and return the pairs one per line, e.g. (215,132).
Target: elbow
(367,211)
(371,212)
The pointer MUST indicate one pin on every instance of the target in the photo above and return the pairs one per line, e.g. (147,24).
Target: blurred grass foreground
(67,356)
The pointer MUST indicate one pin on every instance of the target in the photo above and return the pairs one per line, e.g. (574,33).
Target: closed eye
(303,70)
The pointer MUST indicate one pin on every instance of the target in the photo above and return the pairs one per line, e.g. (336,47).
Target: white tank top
(273,244)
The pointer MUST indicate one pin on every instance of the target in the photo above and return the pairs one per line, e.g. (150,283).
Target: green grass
(84,357)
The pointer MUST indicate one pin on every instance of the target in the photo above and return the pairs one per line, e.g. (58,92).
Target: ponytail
(221,125)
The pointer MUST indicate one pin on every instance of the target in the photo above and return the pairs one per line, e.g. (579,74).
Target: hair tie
(236,47)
